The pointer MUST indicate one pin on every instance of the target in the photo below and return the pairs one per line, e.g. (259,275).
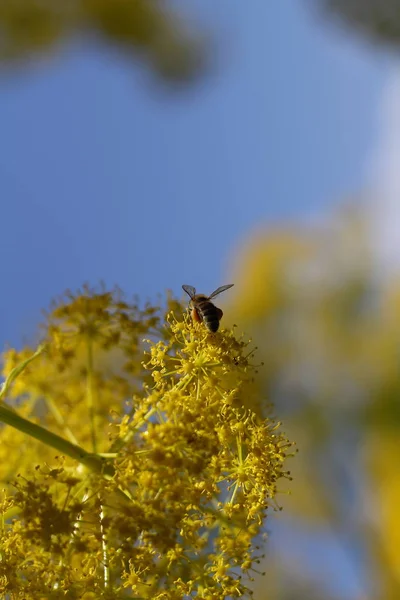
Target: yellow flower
(193,471)
(94,357)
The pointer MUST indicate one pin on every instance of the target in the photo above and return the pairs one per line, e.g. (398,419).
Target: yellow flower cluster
(93,361)
(193,471)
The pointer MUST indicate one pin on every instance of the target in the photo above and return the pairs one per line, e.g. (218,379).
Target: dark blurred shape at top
(378,20)
(139,28)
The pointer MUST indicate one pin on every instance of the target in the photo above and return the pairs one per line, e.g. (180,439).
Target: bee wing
(190,290)
(220,289)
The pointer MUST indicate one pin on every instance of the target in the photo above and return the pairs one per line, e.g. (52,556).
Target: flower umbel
(198,471)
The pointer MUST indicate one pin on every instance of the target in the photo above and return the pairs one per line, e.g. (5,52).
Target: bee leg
(195,316)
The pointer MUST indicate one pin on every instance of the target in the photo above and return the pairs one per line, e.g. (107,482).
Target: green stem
(104,547)
(90,394)
(17,370)
(60,420)
(91,461)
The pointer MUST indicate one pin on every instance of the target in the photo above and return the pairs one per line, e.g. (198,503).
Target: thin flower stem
(235,490)
(104,548)
(60,419)
(17,370)
(239,449)
(90,393)
(69,549)
(120,442)
(107,454)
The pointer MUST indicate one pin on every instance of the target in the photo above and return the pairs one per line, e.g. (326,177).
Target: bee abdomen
(210,315)
(212,325)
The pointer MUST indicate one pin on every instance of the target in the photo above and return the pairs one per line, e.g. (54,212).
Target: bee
(203,309)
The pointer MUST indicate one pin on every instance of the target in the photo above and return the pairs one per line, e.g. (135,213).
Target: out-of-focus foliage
(187,474)
(377,19)
(138,28)
(327,327)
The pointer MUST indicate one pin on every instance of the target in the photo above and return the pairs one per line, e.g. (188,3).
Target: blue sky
(108,175)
